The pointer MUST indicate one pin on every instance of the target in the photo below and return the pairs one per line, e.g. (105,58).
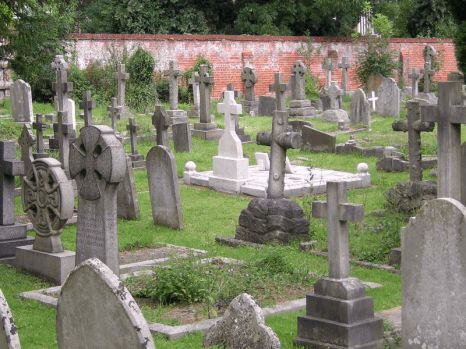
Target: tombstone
(338,313)
(127,196)
(388,103)
(414,76)
(414,126)
(335,113)
(12,234)
(9,338)
(181,135)
(433,278)
(173,74)
(230,168)
(299,105)
(70,108)
(266,105)
(48,201)
(242,326)
(373,99)
(318,141)
(161,122)
(205,129)
(122,76)
(114,113)
(137,160)
(244,138)
(104,316)
(327,66)
(194,82)
(26,140)
(344,66)
(324,99)
(249,78)
(39,125)
(163,188)
(97,163)
(360,112)
(21,101)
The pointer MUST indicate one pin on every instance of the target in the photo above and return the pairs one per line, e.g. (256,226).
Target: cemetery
(205,189)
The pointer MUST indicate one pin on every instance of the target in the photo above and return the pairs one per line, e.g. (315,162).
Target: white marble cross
(373,99)
(229,143)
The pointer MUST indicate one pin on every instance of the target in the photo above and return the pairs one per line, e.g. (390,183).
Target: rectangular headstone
(315,140)
(21,101)
(266,105)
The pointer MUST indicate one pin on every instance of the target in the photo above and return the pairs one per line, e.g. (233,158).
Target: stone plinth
(229,174)
(207,131)
(250,106)
(302,108)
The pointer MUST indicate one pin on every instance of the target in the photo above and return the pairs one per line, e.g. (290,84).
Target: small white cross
(373,99)
(229,107)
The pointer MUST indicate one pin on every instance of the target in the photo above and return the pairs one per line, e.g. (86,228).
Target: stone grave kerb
(344,66)
(121,76)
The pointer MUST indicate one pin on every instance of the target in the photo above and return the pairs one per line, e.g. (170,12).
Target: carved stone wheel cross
(299,69)
(249,76)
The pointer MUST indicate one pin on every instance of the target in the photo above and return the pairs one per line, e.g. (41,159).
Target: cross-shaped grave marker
(298,72)
(428,73)
(133,128)
(173,73)
(206,82)
(373,99)
(344,65)
(26,141)
(114,111)
(328,67)
(249,78)
(161,122)
(121,75)
(414,76)
(194,82)
(230,144)
(87,105)
(39,125)
(279,87)
(61,86)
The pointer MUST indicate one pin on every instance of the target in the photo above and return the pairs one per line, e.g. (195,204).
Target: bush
(311,86)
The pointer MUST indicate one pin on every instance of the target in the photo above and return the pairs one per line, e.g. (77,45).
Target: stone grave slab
(319,141)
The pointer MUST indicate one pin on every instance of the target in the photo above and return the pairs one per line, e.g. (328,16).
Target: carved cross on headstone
(279,88)
(427,73)
(121,75)
(338,212)
(87,105)
(206,82)
(39,125)
(133,128)
(249,78)
(26,141)
(414,126)
(114,111)
(449,114)
(344,66)
(194,82)
(161,122)
(373,99)
(327,66)
(414,76)
(298,72)
(173,73)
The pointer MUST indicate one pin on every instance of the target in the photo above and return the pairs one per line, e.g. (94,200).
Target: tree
(431,18)
(459,14)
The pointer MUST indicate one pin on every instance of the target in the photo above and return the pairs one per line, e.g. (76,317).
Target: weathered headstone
(388,103)
(97,163)
(249,78)
(12,234)
(137,160)
(127,197)
(335,113)
(48,201)
(344,66)
(242,326)
(194,82)
(414,76)
(339,314)
(327,66)
(26,140)
(266,105)
(230,168)
(95,310)
(173,73)
(163,187)
(360,112)
(299,105)
(122,76)
(316,140)
(9,338)
(114,112)
(39,125)
(21,101)
(433,278)
(181,135)
(161,122)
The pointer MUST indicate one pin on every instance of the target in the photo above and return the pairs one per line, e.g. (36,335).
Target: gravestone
(414,76)
(48,201)
(242,326)
(299,105)
(249,78)
(433,278)
(231,87)
(360,112)
(70,108)
(122,76)
(97,163)
(230,168)
(9,338)
(114,113)
(39,125)
(263,162)
(388,103)
(21,101)
(338,313)
(428,75)
(266,105)
(12,234)
(335,113)
(181,135)
(244,138)
(104,316)
(344,66)
(327,67)
(137,160)
(178,115)
(318,141)
(26,140)
(127,197)
(194,82)
(164,188)
(161,122)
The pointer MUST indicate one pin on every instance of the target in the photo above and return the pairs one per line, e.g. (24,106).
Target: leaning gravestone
(388,103)
(433,278)
(360,112)
(97,163)
(242,326)
(9,338)
(163,187)
(95,310)
(127,197)
(249,78)
(21,101)
(266,105)
(316,140)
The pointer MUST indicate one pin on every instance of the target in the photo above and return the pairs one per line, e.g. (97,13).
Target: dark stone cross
(40,126)
(414,126)
(298,72)
(26,141)
(249,78)
(414,76)
(173,73)
(133,128)
(328,67)
(114,111)
(428,73)
(87,105)
(344,66)
(279,141)
(61,86)
(161,122)
(206,82)
(121,75)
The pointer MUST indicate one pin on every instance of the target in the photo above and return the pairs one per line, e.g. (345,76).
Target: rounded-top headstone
(9,338)
(95,310)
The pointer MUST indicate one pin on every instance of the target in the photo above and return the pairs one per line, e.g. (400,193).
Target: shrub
(382,25)
(311,86)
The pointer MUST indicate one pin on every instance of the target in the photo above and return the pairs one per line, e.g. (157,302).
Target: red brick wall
(267,54)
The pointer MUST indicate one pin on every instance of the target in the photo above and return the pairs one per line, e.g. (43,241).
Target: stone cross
(249,78)
(87,105)
(373,99)
(229,144)
(279,88)
(206,82)
(298,72)
(414,126)
(344,66)
(9,168)
(161,122)
(61,86)
(114,111)
(173,75)
(39,125)
(194,82)
(328,67)
(449,114)
(414,76)
(338,212)
(428,73)
(133,128)
(64,130)
(334,94)
(121,75)
(26,141)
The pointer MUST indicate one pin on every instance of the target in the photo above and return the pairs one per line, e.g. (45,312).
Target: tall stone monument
(249,78)
(338,313)
(344,66)
(178,116)
(161,122)
(299,105)
(244,138)
(137,160)
(21,101)
(414,76)
(194,82)
(122,76)
(327,66)
(40,125)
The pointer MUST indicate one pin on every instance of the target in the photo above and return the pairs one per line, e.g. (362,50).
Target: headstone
(335,113)
(21,101)
(12,234)
(360,110)
(414,76)
(244,138)
(122,76)
(26,140)
(230,168)
(173,74)
(344,66)
(327,66)
(70,108)
(319,141)
(161,122)
(181,136)
(427,75)
(388,103)
(48,201)
(299,105)
(137,160)
(95,310)
(9,338)
(266,105)
(127,197)
(114,112)
(249,78)
(339,314)
(206,129)
(164,188)
(433,278)
(97,163)
(194,82)
(39,125)
(231,87)
(242,326)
